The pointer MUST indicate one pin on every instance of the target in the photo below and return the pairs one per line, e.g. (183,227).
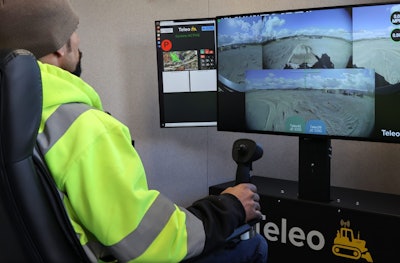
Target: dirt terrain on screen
(235,60)
(383,55)
(346,115)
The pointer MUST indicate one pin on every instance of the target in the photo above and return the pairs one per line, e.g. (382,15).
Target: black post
(314,169)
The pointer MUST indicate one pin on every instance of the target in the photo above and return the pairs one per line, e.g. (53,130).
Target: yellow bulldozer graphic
(347,245)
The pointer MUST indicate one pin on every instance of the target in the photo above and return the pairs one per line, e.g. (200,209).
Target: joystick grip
(242,174)
(244,152)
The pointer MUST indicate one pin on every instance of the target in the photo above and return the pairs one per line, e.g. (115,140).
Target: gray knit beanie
(40,26)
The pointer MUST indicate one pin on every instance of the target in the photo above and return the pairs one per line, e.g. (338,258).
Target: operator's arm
(223,213)
(109,203)
(220,216)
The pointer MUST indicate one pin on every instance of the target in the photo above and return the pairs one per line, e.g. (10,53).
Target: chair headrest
(20,103)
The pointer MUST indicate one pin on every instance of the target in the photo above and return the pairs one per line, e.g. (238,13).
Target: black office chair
(34,226)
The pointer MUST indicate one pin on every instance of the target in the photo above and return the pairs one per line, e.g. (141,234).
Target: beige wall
(118,42)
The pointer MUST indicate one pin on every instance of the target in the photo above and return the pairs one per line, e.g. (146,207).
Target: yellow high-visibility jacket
(90,156)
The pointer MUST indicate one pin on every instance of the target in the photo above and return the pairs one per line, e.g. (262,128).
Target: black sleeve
(220,214)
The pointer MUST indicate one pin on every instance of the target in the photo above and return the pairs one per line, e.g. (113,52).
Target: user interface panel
(187,75)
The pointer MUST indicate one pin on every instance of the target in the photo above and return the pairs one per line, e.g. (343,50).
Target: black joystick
(244,153)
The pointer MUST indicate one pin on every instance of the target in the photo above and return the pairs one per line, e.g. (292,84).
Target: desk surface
(373,202)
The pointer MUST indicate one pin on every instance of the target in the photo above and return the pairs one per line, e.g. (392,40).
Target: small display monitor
(187,78)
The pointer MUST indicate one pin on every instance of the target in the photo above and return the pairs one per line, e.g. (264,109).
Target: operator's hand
(247,195)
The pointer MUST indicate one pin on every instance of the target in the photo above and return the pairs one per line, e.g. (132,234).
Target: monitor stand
(314,168)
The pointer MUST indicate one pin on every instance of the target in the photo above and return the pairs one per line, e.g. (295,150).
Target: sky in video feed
(327,22)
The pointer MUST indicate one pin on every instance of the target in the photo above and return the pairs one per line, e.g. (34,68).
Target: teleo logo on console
(346,244)
(296,236)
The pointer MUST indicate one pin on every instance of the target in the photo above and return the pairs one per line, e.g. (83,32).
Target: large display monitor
(187,74)
(319,74)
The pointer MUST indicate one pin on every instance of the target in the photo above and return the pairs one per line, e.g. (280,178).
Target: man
(92,161)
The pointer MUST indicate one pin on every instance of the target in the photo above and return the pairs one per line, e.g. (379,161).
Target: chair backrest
(34,226)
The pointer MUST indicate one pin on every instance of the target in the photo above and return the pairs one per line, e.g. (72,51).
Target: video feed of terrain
(374,45)
(323,101)
(279,41)
(180,60)
(344,41)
